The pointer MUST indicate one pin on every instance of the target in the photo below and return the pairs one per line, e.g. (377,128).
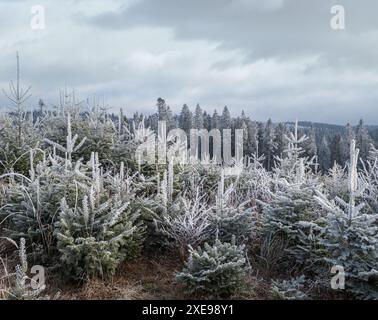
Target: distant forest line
(328,142)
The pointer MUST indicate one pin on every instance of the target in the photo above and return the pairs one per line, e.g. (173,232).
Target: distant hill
(333,128)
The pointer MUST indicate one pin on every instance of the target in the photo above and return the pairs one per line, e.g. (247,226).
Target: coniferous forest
(81,218)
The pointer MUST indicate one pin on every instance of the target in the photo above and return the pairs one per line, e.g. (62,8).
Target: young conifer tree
(351,235)
(218,270)
(229,217)
(94,237)
(291,214)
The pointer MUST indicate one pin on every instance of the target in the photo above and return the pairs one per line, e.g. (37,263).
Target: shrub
(289,289)
(351,236)
(185,223)
(94,238)
(217,270)
(21,287)
(31,205)
(229,218)
(336,182)
(293,216)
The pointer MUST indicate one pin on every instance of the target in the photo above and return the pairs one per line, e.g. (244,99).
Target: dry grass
(6,265)
(145,278)
(101,290)
(150,278)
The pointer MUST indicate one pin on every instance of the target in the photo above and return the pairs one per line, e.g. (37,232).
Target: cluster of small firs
(72,188)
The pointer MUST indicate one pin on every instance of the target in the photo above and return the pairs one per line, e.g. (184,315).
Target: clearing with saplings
(83,215)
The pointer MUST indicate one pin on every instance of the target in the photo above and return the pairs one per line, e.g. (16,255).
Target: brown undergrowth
(149,278)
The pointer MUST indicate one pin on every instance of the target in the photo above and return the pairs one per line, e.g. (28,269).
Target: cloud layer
(272,58)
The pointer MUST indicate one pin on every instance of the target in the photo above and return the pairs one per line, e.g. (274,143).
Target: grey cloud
(288,29)
(272,58)
(285,31)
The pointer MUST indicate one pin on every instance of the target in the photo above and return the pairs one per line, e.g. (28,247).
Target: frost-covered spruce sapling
(292,214)
(294,167)
(369,176)
(136,150)
(95,236)
(71,145)
(19,131)
(351,236)
(229,217)
(101,133)
(293,289)
(336,182)
(153,199)
(200,172)
(254,182)
(215,271)
(126,188)
(32,203)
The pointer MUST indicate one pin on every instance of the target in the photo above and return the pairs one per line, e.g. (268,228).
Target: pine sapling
(351,236)
(215,271)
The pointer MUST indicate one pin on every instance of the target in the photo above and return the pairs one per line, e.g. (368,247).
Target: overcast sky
(272,58)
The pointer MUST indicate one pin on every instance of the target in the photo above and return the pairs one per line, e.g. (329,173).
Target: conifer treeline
(330,143)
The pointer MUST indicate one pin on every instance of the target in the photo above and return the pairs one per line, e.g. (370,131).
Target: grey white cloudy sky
(272,58)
